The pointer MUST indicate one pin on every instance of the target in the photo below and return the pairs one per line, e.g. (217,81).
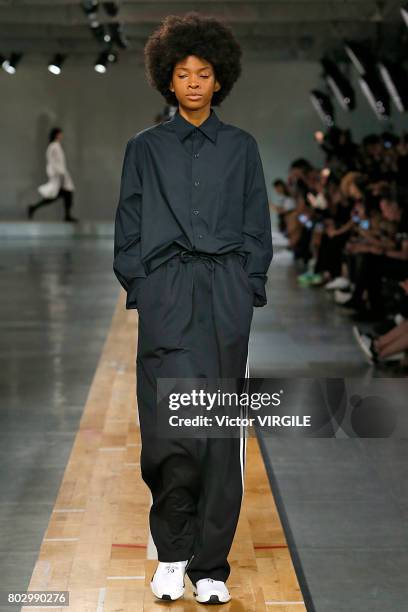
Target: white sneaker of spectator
(338,283)
(366,344)
(341,297)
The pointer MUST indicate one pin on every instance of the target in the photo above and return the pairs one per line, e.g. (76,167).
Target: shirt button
(196,212)
(196,154)
(200,235)
(196,183)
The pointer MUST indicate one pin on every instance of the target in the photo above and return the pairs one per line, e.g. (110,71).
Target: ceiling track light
(93,22)
(339,85)
(105,58)
(101,32)
(323,107)
(376,95)
(395,80)
(90,7)
(111,8)
(118,35)
(56,63)
(101,63)
(10,65)
(404,13)
(360,57)
(112,57)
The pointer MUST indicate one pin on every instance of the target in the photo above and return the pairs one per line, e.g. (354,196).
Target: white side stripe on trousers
(243,430)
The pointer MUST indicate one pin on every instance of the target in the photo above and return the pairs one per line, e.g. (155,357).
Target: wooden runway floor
(97,543)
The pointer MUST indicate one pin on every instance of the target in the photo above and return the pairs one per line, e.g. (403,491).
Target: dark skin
(194,75)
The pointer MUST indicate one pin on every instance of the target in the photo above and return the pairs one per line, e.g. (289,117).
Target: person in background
(286,203)
(390,346)
(60,183)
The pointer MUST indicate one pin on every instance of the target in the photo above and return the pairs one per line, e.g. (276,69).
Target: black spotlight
(395,80)
(90,7)
(323,106)
(339,85)
(101,64)
(101,32)
(56,63)
(10,65)
(118,35)
(111,8)
(360,57)
(377,96)
(404,13)
(105,58)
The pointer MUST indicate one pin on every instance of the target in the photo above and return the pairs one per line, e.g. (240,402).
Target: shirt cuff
(258,286)
(132,292)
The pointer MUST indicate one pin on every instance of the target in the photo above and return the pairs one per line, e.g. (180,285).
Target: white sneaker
(365,343)
(398,319)
(168,580)
(209,591)
(341,297)
(338,283)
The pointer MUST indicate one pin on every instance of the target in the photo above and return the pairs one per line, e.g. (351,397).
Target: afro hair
(192,34)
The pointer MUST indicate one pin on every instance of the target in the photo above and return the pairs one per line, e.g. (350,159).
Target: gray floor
(58,298)
(344,503)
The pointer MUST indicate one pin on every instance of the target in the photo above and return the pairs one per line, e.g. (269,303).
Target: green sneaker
(317,279)
(305,279)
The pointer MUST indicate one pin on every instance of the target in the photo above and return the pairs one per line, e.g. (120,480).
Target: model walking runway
(193,246)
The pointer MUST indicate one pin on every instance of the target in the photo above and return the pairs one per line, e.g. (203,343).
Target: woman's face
(389,209)
(193,82)
(354,191)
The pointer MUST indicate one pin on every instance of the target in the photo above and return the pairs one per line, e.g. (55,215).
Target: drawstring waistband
(208,258)
(187,255)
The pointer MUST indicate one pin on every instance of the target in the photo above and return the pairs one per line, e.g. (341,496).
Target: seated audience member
(285,204)
(379,253)
(347,226)
(390,346)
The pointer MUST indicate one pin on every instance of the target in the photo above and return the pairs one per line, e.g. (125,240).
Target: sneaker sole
(165,596)
(340,288)
(342,299)
(391,358)
(213,600)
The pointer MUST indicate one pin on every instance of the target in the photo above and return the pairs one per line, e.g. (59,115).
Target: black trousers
(67,197)
(195,314)
(368,270)
(330,254)
(302,248)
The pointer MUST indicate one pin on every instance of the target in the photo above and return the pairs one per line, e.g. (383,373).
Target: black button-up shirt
(196,188)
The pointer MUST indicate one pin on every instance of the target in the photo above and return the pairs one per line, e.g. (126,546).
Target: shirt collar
(183,128)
